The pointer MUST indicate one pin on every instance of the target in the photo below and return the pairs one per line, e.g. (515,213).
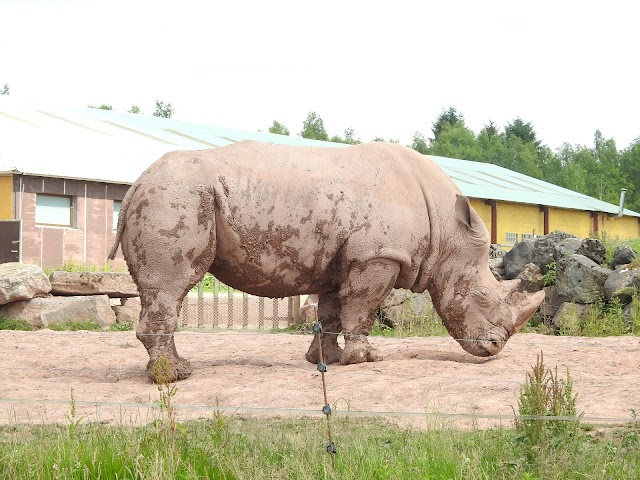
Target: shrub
(13,324)
(545,394)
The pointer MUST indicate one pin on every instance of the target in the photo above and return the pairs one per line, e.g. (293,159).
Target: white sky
(384,68)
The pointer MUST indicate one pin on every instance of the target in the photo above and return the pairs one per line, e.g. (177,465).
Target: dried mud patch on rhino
(175,232)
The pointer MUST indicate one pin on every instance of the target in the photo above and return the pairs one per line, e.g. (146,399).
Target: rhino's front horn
(524,310)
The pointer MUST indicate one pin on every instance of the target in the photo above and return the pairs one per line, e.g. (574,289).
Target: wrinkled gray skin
(347,223)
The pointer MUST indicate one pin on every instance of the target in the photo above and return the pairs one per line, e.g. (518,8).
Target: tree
(630,169)
(164,110)
(455,141)
(5,90)
(277,127)
(350,137)
(419,143)
(451,116)
(523,130)
(134,109)
(313,127)
(104,106)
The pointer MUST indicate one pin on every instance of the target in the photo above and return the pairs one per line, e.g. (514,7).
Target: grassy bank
(233,448)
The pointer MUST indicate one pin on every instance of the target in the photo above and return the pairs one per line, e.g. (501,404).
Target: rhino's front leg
(364,289)
(329,317)
(158,320)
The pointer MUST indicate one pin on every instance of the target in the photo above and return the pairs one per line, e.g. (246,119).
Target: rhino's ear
(470,219)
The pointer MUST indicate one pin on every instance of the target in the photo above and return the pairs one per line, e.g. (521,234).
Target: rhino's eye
(481,295)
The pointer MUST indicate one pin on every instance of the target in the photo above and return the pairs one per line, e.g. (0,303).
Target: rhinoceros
(347,223)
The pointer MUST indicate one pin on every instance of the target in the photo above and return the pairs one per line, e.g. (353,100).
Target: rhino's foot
(167,370)
(360,353)
(331,351)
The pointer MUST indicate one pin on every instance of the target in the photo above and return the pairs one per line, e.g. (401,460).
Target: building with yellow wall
(64,172)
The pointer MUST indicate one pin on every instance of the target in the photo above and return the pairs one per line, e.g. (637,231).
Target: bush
(13,324)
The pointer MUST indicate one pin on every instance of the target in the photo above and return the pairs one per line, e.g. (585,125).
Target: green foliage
(238,448)
(164,110)
(68,325)
(134,109)
(121,327)
(549,278)
(279,128)
(546,394)
(163,375)
(412,326)
(71,266)
(600,319)
(104,106)
(419,143)
(449,117)
(4,90)
(14,324)
(313,127)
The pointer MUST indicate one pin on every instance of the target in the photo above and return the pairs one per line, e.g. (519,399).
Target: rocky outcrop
(580,279)
(531,278)
(515,259)
(402,304)
(42,312)
(26,293)
(623,256)
(22,281)
(113,284)
(128,312)
(622,284)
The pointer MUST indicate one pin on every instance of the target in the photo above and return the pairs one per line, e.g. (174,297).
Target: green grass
(236,448)
(610,246)
(13,324)
(75,326)
(71,266)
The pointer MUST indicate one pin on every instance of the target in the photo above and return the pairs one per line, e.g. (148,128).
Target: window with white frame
(55,210)
(116,211)
(528,235)
(512,237)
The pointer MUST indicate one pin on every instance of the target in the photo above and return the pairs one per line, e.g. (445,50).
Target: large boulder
(544,249)
(22,281)
(531,278)
(403,304)
(515,259)
(592,248)
(128,312)
(622,284)
(496,265)
(552,302)
(42,312)
(113,284)
(580,279)
(623,256)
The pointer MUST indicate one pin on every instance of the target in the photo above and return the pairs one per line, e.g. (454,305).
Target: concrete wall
(576,222)
(91,235)
(621,228)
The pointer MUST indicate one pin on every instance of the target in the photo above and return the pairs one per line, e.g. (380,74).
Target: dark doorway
(9,241)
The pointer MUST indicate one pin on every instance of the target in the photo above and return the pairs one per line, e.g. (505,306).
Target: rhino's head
(477,310)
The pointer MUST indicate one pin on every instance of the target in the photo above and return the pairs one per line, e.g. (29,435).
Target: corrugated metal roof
(88,143)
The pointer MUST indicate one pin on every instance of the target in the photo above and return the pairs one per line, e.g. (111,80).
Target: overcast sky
(383,68)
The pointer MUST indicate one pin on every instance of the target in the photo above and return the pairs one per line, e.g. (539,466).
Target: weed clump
(545,394)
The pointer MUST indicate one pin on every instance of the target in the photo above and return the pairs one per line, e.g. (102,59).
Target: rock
(593,249)
(545,249)
(41,312)
(631,317)
(402,304)
(567,247)
(622,284)
(128,312)
(22,281)
(569,318)
(580,279)
(531,278)
(113,284)
(496,265)
(516,258)
(552,302)
(308,311)
(623,256)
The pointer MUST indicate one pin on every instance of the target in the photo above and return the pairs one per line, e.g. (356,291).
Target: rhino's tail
(121,219)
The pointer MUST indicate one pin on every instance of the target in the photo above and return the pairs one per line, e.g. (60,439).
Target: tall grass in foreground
(234,448)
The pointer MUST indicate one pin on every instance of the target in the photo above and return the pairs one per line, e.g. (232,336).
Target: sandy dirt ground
(249,371)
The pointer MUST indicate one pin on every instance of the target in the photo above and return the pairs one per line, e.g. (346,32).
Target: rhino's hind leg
(329,317)
(364,289)
(158,320)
